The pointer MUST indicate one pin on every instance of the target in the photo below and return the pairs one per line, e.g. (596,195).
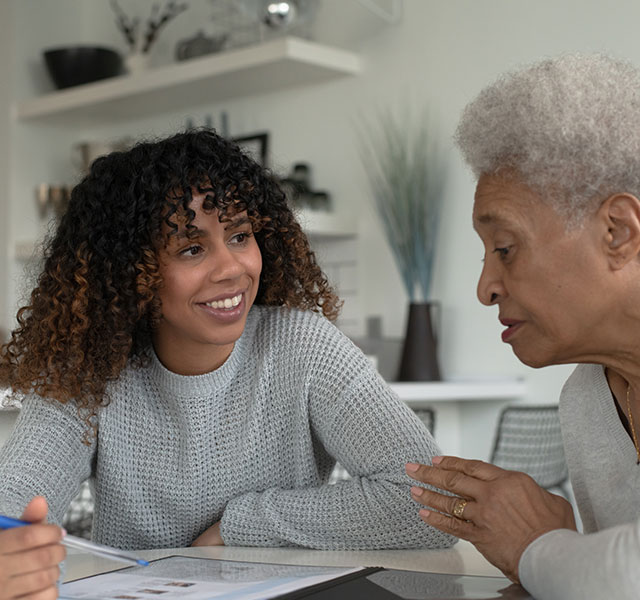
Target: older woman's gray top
(251,444)
(604,563)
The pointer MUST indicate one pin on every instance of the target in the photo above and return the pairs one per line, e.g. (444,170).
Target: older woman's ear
(621,213)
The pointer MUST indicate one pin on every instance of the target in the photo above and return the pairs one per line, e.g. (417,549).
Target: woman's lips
(511,327)
(224,314)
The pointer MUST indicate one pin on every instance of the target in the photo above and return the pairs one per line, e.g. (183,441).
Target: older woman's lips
(511,327)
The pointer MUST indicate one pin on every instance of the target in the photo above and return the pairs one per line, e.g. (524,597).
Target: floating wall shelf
(268,67)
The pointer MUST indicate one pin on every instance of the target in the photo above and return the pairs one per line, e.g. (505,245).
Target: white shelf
(321,224)
(417,394)
(271,66)
(318,225)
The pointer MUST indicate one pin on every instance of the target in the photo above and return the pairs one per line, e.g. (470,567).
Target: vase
(136,62)
(419,360)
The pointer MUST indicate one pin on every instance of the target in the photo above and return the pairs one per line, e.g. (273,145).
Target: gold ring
(458,509)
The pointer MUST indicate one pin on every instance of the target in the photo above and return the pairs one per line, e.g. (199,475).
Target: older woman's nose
(490,289)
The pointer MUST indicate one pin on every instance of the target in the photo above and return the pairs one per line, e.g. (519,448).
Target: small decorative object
(224,127)
(280,15)
(249,22)
(84,153)
(42,199)
(255,145)
(199,45)
(297,186)
(76,65)
(301,177)
(140,45)
(320,200)
(406,174)
(55,197)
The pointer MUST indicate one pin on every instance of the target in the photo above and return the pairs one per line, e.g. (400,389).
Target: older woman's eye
(502,252)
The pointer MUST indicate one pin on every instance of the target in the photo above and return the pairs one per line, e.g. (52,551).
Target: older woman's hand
(500,512)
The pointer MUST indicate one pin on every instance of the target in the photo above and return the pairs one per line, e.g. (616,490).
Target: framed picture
(255,145)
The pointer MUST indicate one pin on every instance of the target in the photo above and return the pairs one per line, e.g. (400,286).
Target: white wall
(6,72)
(440,55)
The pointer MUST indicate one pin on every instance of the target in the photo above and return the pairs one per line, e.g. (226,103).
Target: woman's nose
(225,265)
(491,288)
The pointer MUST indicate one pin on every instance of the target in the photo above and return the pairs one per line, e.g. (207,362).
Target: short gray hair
(569,127)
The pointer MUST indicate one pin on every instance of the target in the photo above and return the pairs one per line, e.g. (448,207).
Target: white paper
(183,577)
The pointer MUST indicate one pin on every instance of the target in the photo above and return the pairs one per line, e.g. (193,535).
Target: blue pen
(81,544)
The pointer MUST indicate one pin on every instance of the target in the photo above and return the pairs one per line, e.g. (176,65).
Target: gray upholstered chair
(528,439)
(78,519)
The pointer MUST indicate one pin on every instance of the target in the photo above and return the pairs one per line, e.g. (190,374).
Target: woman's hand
(30,555)
(503,513)
(210,537)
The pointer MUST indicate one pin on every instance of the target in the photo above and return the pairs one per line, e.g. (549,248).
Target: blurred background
(293,82)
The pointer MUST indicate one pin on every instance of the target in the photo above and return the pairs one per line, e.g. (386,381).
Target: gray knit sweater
(252,444)
(603,563)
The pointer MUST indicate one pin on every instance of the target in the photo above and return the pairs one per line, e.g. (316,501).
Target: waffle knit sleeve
(361,423)
(566,565)
(44,456)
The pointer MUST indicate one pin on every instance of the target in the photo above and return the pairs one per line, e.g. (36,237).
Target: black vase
(419,360)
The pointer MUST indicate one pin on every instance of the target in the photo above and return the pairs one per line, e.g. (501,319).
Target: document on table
(189,578)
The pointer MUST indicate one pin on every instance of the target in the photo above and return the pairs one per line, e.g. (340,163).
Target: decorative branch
(127,26)
(406,171)
(157,21)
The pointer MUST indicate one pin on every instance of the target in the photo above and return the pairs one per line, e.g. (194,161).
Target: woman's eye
(241,238)
(191,251)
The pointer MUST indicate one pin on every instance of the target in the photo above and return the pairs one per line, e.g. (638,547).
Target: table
(462,559)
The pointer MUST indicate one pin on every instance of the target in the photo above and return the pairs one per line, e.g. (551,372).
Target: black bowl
(75,65)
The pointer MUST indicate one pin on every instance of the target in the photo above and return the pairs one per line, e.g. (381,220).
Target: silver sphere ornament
(279,15)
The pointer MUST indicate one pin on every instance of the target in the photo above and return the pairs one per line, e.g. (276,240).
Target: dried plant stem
(157,21)
(406,174)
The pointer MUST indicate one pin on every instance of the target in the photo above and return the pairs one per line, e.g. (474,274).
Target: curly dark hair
(96,304)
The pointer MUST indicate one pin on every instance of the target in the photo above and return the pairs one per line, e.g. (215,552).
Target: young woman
(172,352)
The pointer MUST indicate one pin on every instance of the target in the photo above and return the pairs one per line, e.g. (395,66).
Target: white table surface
(462,559)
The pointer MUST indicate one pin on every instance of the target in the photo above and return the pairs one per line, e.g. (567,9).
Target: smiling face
(550,284)
(210,282)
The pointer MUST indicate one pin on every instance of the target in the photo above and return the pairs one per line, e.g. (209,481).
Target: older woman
(556,149)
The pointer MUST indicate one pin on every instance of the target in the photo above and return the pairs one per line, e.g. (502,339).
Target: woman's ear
(621,213)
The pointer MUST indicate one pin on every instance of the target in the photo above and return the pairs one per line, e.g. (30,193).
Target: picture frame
(255,145)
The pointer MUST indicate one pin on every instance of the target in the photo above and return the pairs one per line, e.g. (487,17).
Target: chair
(528,439)
(426,415)
(78,519)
